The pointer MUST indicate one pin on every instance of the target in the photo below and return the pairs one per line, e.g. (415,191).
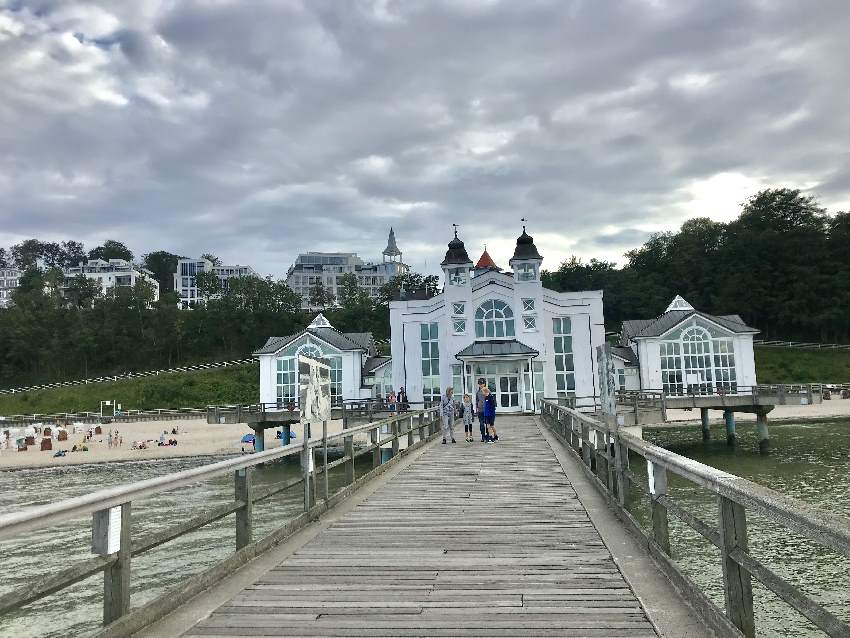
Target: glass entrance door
(504,380)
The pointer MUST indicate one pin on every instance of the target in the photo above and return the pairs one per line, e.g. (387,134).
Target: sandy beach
(196,437)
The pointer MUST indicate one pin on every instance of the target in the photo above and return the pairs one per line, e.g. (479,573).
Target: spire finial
(456,227)
(523,220)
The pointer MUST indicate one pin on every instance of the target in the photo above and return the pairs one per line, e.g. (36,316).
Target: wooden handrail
(737,495)
(116,566)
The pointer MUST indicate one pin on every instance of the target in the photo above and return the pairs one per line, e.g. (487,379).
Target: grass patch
(793,365)
(239,384)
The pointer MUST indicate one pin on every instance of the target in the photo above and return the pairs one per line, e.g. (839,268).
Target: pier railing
(604,451)
(112,520)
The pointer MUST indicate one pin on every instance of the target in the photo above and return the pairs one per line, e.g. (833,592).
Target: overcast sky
(258,130)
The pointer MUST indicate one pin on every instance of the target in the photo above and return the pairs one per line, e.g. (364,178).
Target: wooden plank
(470,540)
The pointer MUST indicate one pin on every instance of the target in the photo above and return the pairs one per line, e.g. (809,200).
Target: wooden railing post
(422,435)
(306,453)
(326,490)
(396,430)
(737,584)
(242,494)
(657,478)
(348,450)
(375,437)
(621,451)
(585,444)
(410,431)
(116,577)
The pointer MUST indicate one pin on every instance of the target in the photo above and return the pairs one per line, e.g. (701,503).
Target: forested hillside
(783,265)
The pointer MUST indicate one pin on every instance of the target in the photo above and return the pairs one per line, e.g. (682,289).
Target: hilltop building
(685,351)
(352,357)
(9,278)
(185,282)
(326,269)
(113,273)
(528,342)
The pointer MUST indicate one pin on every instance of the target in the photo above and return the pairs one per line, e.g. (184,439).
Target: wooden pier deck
(468,540)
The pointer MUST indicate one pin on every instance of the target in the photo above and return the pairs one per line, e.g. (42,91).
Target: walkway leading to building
(469,540)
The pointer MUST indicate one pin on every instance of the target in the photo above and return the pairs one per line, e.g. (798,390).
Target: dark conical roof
(525,248)
(456,254)
(392,249)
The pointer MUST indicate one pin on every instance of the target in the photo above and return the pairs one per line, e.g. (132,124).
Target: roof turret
(525,248)
(392,248)
(456,254)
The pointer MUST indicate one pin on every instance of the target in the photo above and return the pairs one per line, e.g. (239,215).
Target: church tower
(391,252)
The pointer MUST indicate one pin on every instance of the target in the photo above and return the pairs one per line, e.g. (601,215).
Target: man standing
(479,408)
(447,411)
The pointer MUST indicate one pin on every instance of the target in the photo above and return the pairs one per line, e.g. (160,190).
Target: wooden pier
(531,536)
(471,539)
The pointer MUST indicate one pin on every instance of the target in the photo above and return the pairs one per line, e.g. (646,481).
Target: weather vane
(523,220)
(456,227)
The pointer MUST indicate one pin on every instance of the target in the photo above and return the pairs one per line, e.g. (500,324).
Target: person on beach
(479,408)
(447,412)
(468,414)
(490,415)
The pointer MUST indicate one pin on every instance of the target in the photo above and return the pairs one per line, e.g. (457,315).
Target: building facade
(685,351)
(9,278)
(528,342)
(113,274)
(185,279)
(326,269)
(352,357)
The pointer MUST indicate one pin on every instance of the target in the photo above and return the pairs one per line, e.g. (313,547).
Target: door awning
(496,349)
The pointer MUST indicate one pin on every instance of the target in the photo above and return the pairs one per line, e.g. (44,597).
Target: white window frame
(526,327)
(459,326)
(456,305)
(528,305)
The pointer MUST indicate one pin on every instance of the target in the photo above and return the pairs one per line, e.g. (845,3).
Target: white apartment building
(8,282)
(185,282)
(312,268)
(113,273)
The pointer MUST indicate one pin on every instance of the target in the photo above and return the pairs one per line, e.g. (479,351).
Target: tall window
(457,381)
(458,276)
(696,352)
(565,377)
(539,385)
(526,272)
(698,362)
(724,365)
(494,319)
(430,361)
(671,367)
(287,371)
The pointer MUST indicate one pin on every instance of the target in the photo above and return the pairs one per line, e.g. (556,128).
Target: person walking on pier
(490,415)
(468,414)
(479,408)
(447,411)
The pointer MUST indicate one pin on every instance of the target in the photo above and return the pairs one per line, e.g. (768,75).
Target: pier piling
(762,433)
(706,432)
(729,417)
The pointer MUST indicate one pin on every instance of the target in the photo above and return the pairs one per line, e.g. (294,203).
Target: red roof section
(486,261)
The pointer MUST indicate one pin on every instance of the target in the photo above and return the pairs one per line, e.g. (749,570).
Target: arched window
(310,350)
(696,351)
(494,319)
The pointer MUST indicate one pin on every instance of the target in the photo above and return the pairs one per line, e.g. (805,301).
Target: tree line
(783,265)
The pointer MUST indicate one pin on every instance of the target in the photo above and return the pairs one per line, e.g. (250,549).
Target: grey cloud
(245,128)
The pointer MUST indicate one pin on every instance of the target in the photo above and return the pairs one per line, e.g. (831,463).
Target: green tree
(321,297)
(163,265)
(81,291)
(4,258)
(111,249)
(208,284)
(215,261)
